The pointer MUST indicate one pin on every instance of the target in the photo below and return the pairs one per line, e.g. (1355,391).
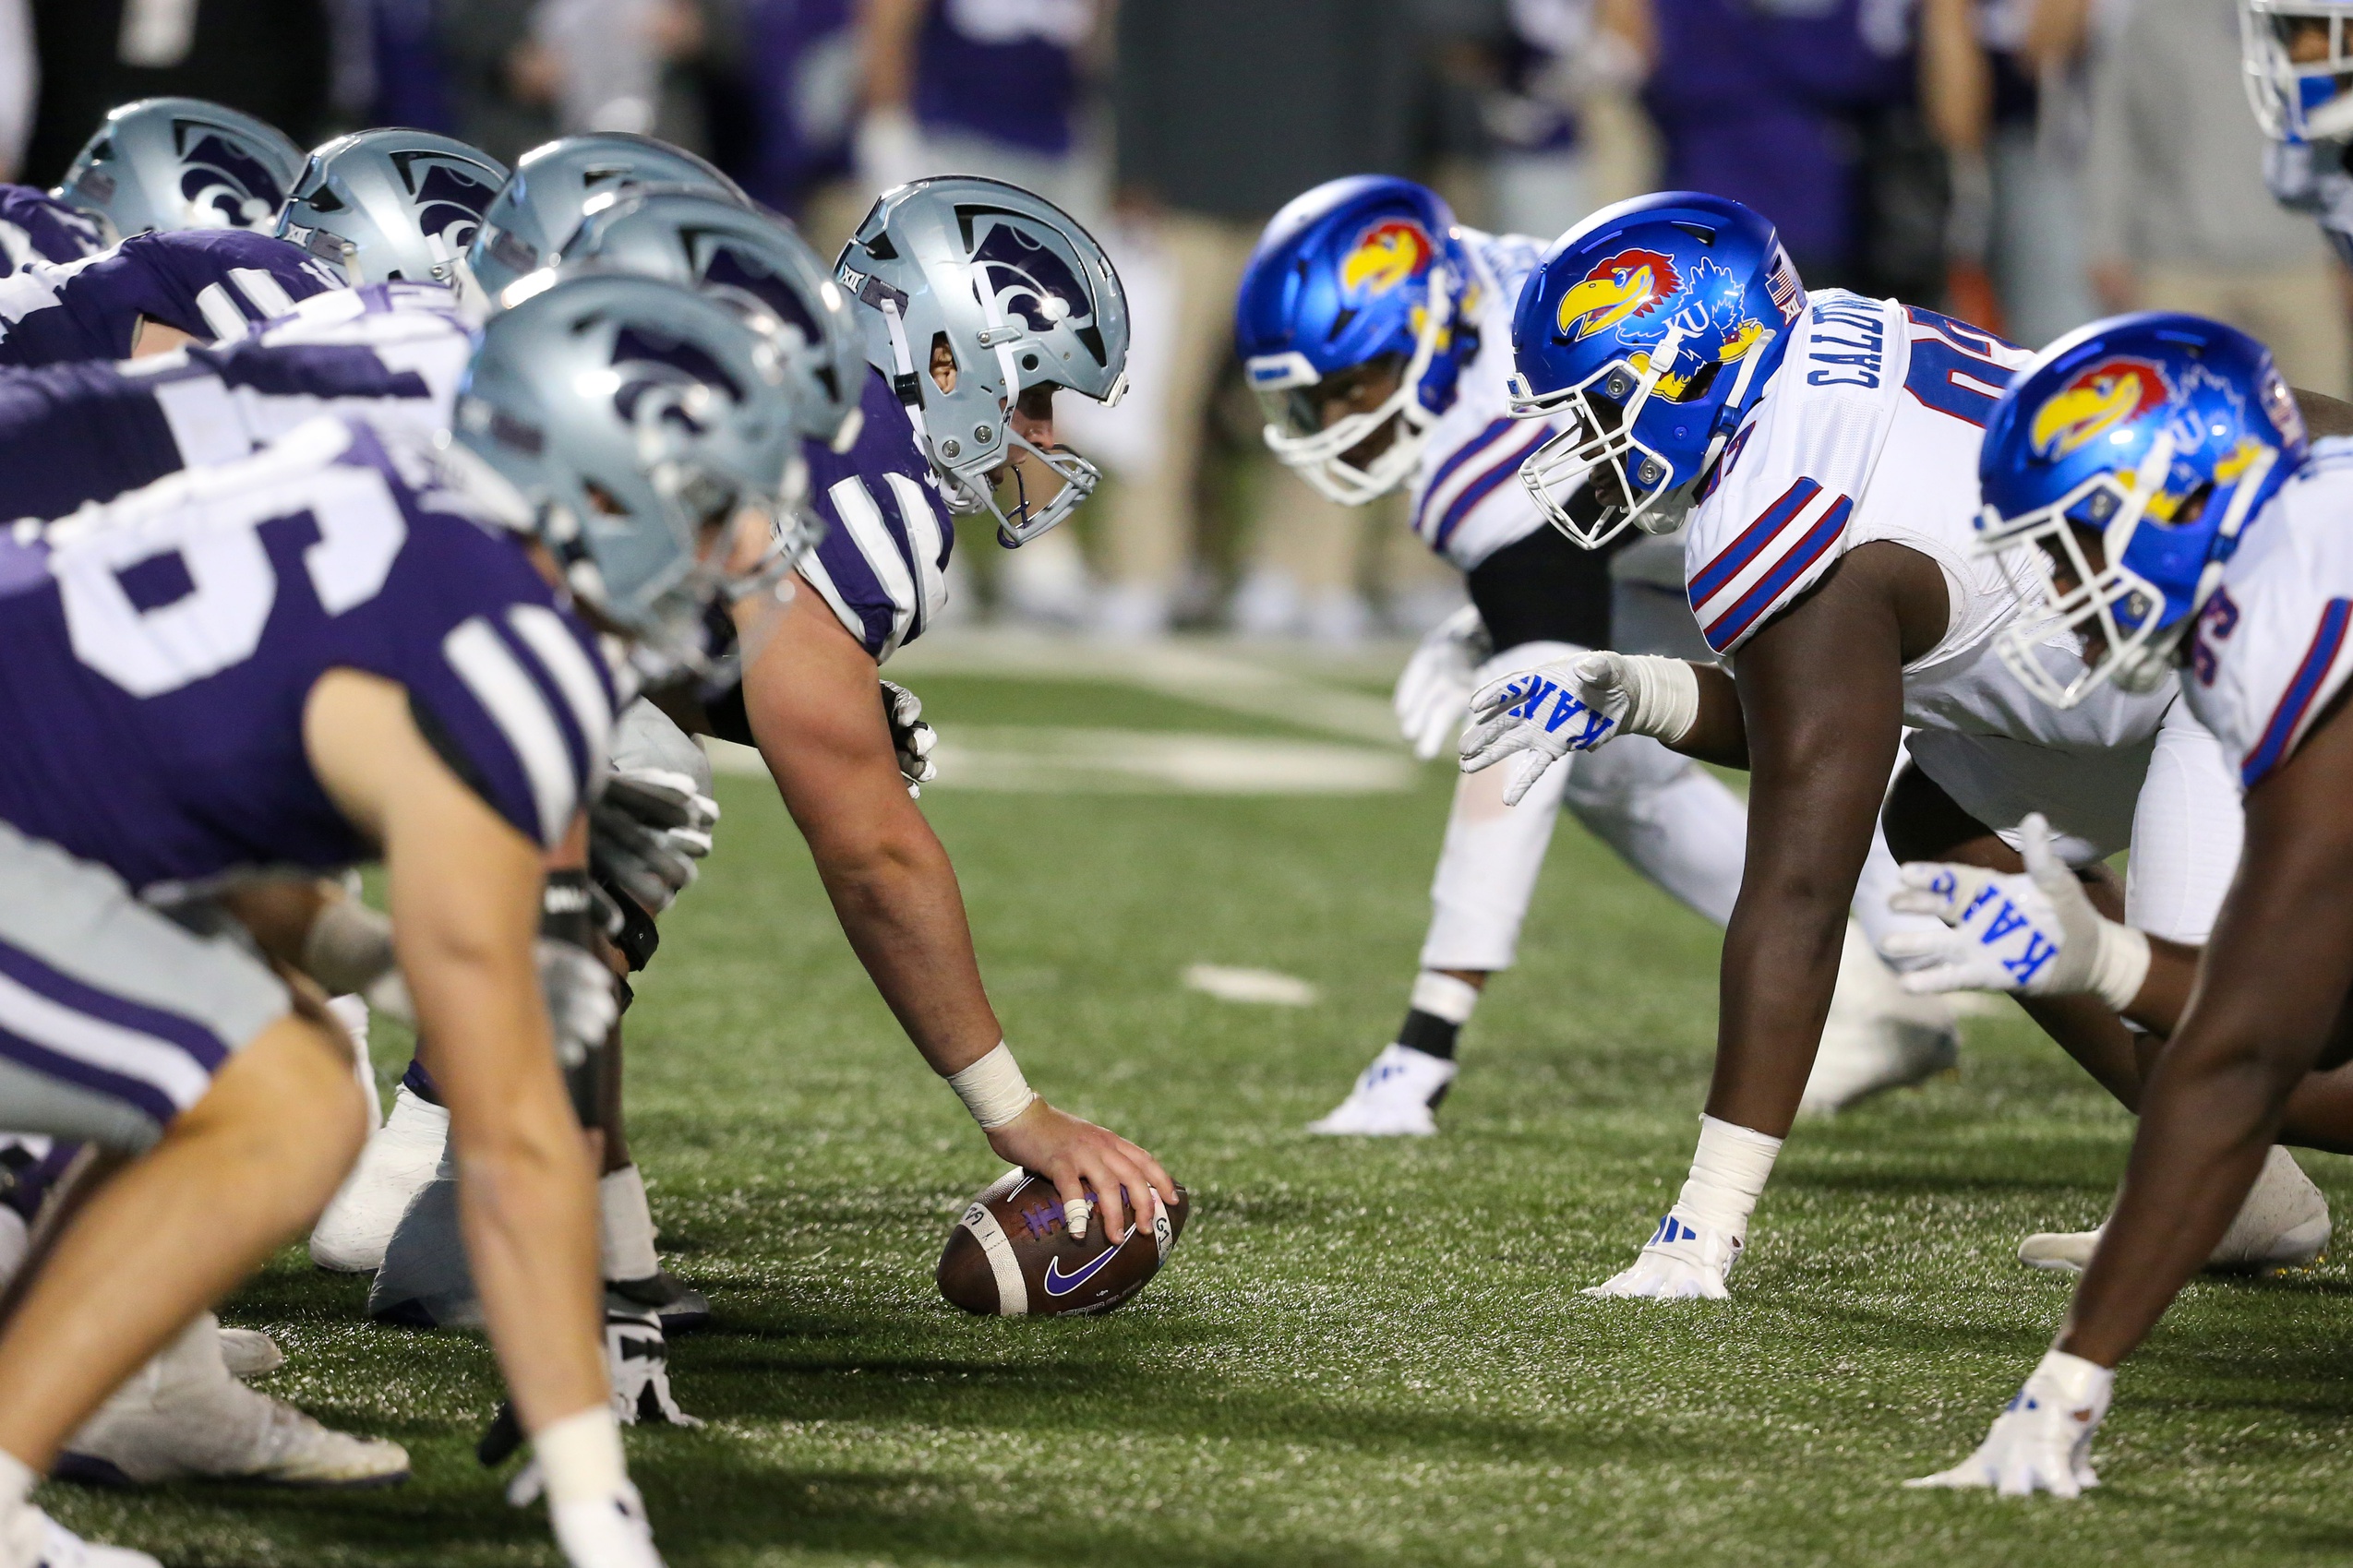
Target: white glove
(910,737)
(604,1532)
(1434,693)
(583,1002)
(640,1361)
(646,831)
(2032,934)
(1685,1260)
(2042,1440)
(1576,705)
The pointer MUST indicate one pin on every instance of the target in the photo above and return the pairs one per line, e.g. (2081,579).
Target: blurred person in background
(792,101)
(2179,218)
(524,71)
(1224,109)
(387,67)
(266,57)
(1550,60)
(20,82)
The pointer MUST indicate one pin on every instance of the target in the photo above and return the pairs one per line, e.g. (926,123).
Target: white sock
(579,1456)
(16,1481)
(624,1226)
(1728,1174)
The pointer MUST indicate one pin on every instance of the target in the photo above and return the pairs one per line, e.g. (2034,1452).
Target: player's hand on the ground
(1092,1168)
(910,737)
(647,830)
(604,1532)
(1685,1260)
(583,1002)
(1434,693)
(2042,1440)
(2033,933)
(1546,713)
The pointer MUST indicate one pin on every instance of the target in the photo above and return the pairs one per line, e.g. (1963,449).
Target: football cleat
(2042,1440)
(32,1539)
(181,1415)
(640,1360)
(400,1158)
(1684,1260)
(2283,1223)
(1879,1036)
(1393,1097)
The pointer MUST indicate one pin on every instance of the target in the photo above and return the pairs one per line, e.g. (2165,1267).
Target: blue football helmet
(1364,271)
(2299,60)
(168,164)
(2131,451)
(1654,326)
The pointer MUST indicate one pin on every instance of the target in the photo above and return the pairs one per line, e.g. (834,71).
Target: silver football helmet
(755,263)
(638,420)
(2298,56)
(396,205)
(165,164)
(975,293)
(547,194)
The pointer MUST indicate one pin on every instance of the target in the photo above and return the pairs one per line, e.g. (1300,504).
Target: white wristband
(2120,964)
(993,1089)
(1665,696)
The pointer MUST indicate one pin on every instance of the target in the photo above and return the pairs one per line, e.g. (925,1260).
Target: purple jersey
(1003,70)
(36,226)
(390,354)
(883,565)
(210,283)
(162,648)
(803,70)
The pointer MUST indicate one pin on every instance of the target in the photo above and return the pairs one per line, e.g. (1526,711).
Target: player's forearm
(897,896)
(2164,995)
(1720,733)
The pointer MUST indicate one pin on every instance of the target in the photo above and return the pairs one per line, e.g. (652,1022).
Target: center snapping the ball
(1012,1254)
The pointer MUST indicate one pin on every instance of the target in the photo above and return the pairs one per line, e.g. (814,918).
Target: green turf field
(1361,1353)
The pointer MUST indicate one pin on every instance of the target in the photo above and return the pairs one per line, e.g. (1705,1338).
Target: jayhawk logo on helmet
(2096,400)
(1631,284)
(1393,251)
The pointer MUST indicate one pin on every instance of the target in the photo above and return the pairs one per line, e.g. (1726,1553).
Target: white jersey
(1870,431)
(1466,497)
(2271,650)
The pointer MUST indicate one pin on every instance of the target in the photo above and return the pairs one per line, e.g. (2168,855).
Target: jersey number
(1952,380)
(212,611)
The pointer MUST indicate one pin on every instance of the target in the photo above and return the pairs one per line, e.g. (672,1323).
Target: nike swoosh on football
(1060,1284)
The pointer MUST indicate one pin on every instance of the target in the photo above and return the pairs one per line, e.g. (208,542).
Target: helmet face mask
(172,164)
(1359,281)
(2298,56)
(2122,466)
(977,292)
(1651,330)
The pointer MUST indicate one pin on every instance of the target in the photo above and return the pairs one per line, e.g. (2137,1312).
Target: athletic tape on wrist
(1442,996)
(1667,700)
(2121,964)
(993,1089)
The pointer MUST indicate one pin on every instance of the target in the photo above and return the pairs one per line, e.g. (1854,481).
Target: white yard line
(1044,760)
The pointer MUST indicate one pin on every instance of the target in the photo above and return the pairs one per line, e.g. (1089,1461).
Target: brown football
(1012,1254)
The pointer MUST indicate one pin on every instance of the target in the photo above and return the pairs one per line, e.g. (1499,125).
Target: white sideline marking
(1042,759)
(1264,988)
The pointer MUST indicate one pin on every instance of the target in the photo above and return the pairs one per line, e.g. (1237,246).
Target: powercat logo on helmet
(1028,280)
(1393,251)
(677,373)
(451,198)
(225,186)
(1631,284)
(2095,401)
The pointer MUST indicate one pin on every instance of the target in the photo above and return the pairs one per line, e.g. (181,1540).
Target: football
(1012,1254)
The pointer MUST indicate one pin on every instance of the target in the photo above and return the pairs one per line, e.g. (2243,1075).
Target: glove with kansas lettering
(1434,693)
(647,830)
(2031,934)
(910,737)
(1576,705)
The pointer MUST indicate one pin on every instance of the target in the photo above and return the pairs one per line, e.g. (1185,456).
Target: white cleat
(2042,1440)
(181,1415)
(32,1539)
(1684,1260)
(604,1532)
(249,1353)
(401,1157)
(1393,1097)
(1878,1037)
(2283,1223)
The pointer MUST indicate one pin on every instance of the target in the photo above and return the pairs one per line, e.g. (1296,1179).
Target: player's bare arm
(464,894)
(809,698)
